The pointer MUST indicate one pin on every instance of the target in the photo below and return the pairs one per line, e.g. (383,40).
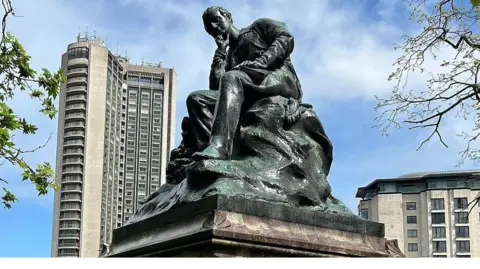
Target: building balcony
(76,180)
(74,134)
(73,162)
(63,227)
(67,186)
(71,190)
(69,236)
(77,71)
(75,107)
(64,246)
(69,218)
(75,116)
(70,209)
(72,172)
(77,81)
(75,98)
(73,145)
(71,199)
(75,169)
(77,89)
(80,62)
(73,153)
(67,255)
(74,125)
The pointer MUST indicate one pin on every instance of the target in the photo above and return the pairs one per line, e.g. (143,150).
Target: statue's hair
(210,10)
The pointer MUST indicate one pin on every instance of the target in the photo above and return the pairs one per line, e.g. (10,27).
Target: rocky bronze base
(222,226)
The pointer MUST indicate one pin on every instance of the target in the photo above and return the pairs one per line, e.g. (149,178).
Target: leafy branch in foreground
(17,75)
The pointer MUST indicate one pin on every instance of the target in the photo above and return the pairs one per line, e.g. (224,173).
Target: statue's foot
(210,152)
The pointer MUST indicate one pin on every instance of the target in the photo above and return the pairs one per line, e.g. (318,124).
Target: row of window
(441,246)
(439,204)
(145,80)
(78,53)
(439,218)
(440,232)
(460,203)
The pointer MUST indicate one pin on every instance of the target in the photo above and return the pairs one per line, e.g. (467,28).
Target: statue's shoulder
(266,22)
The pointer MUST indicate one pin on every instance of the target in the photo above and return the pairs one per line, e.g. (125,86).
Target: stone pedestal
(221,226)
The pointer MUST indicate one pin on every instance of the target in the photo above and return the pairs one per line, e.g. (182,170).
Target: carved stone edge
(229,229)
(307,238)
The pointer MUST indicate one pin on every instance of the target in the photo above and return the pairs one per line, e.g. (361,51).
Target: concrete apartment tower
(430,214)
(102,175)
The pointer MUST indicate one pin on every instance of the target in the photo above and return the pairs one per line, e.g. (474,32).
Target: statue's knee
(231,76)
(192,99)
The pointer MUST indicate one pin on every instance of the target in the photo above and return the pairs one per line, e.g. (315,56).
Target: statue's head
(217,21)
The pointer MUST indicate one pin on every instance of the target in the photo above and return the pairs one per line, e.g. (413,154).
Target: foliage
(17,75)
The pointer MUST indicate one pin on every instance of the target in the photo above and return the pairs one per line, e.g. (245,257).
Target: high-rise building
(97,115)
(149,134)
(431,214)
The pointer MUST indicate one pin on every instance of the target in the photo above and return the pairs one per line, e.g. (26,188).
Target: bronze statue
(249,64)
(250,175)
(249,135)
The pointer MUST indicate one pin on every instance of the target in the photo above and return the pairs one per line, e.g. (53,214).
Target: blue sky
(343,54)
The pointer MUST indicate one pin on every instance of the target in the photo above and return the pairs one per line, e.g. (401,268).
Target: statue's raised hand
(222,42)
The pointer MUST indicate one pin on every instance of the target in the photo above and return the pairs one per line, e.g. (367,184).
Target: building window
(412,219)
(462,231)
(412,247)
(461,217)
(364,213)
(438,204)
(460,203)
(411,206)
(463,246)
(439,246)
(438,218)
(78,53)
(438,232)
(412,233)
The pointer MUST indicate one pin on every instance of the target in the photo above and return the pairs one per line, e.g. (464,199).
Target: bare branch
(451,91)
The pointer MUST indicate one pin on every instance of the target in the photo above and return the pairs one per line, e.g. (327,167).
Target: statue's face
(218,25)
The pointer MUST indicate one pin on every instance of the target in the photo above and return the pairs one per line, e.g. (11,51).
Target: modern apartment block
(431,214)
(150,131)
(97,114)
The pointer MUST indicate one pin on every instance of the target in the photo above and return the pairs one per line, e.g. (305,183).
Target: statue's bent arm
(279,39)
(217,68)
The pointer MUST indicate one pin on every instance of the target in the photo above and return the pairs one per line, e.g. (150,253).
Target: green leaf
(475,3)
(8,198)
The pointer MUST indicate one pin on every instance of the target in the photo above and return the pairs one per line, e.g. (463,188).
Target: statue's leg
(200,107)
(227,116)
